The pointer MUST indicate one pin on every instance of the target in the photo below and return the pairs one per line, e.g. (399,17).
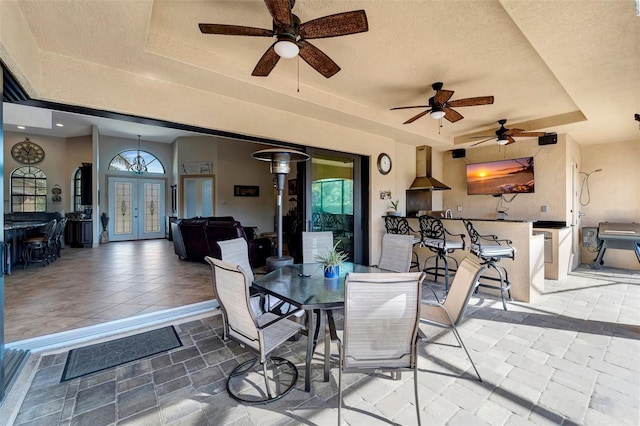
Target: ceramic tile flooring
(571,357)
(92,286)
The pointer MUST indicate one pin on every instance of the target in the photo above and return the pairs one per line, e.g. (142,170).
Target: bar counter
(526,271)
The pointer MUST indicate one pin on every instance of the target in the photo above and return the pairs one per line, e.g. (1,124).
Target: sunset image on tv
(501,177)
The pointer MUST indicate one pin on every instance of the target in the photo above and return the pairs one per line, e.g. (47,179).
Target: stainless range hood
(423,179)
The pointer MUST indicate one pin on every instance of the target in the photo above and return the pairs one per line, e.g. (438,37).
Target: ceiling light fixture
(138,166)
(59,125)
(437,113)
(21,127)
(503,141)
(286,49)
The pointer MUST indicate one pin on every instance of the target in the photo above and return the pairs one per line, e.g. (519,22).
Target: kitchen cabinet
(79,233)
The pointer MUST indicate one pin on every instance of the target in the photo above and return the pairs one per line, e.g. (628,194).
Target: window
(28,190)
(126,159)
(77,190)
(332,196)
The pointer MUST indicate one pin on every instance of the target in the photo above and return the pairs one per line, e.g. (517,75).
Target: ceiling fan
(505,136)
(440,105)
(292,35)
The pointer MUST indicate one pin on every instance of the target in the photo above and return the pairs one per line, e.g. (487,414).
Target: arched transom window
(28,190)
(126,160)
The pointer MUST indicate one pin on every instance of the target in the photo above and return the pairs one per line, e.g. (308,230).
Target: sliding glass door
(333,199)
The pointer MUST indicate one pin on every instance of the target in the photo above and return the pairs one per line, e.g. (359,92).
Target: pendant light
(138,166)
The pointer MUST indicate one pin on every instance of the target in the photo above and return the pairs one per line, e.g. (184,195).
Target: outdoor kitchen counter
(526,271)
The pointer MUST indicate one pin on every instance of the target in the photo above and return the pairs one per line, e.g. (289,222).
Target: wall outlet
(459,208)
(589,237)
(543,209)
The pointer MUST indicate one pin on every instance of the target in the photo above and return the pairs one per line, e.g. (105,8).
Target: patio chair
(400,226)
(381,319)
(490,249)
(263,334)
(314,244)
(236,251)
(396,253)
(450,313)
(441,242)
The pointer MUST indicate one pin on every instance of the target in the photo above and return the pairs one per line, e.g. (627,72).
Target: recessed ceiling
(565,67)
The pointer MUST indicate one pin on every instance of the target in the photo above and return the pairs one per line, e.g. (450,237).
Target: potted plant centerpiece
(331,261)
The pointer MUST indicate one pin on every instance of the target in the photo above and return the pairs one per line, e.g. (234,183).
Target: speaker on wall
(458,153)
(549,139)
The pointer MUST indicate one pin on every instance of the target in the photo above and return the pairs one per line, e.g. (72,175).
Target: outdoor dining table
(304,286)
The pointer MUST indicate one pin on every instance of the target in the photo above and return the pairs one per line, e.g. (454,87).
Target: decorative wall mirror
(197,195)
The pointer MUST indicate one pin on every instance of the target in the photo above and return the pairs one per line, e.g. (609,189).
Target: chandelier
(138,165)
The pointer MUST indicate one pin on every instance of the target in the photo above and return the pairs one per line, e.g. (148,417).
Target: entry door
(136,208)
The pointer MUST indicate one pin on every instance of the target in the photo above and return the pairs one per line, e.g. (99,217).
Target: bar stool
(490,249)
(39,249)
(442,242)
(400,225)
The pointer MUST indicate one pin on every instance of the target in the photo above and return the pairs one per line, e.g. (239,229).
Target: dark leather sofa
(195,238)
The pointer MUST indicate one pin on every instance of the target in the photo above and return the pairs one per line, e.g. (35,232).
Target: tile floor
(571,357)
(92,286)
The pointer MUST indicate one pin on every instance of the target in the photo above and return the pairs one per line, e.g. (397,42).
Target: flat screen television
(514,176)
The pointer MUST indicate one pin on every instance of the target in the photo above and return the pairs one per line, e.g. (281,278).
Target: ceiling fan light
(286,49)
(503,141)
(436,114)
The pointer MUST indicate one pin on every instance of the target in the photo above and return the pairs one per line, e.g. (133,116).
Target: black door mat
(98,357)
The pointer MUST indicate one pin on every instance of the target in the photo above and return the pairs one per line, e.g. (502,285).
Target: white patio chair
(262,333)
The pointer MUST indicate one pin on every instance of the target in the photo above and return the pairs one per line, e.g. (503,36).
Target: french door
(136,208)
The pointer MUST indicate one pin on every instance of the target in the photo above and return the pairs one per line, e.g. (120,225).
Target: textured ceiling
(557,66)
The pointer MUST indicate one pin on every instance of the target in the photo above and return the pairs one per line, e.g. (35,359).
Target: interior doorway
(135,208)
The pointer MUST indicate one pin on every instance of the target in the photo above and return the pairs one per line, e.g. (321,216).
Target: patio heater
(280,160)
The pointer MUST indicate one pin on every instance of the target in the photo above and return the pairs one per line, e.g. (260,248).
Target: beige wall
(62,158)
(614,194)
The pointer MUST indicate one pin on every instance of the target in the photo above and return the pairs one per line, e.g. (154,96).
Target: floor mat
(98,357)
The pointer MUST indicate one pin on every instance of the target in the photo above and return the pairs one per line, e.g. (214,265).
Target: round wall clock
(27,152)
(384,163)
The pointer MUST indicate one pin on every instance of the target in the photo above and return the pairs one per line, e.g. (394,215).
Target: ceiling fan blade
(452,115)
(237,30)
(486,140)
(266,63)
(511,132)
(415,106)
(480,100)
(443,96)
(335,25)
(529,134)
(510,139)
(280,11)
(415,117)
(317,59)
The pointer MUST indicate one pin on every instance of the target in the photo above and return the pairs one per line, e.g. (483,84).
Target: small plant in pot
(394,209)
(331,261)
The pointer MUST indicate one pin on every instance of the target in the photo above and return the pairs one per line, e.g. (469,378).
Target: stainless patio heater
(280,160)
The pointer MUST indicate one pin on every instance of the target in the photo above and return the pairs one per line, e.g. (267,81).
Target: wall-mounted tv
(514,176)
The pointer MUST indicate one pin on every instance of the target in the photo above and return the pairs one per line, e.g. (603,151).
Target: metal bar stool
(490,249)
(442,242)
(400,225)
